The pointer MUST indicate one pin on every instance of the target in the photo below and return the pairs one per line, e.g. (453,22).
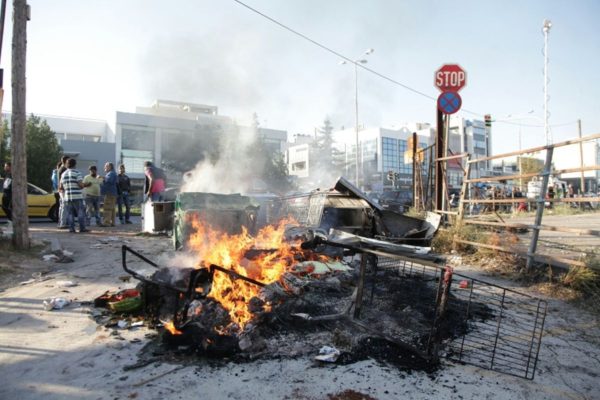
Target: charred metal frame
(199,279)
(506,339)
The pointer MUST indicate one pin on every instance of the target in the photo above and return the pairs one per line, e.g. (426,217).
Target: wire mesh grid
(493,327)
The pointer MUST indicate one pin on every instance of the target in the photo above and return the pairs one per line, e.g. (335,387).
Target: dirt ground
(64,354)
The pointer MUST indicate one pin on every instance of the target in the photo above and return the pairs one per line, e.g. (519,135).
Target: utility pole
(18,122)
(582,182)
(2,17)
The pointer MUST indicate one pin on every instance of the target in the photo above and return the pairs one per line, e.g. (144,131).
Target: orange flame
(228,251)
(171,328)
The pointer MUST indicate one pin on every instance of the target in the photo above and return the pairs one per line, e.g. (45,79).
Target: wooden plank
(532,174)
(536,149)
(556,261)
(446,212)
(591,232)
(453,157)
(526,200)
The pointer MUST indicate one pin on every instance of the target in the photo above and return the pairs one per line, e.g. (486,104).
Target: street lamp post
(520,118)
(546,29)
(356,62)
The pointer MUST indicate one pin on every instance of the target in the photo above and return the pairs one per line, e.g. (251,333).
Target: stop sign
(450,78)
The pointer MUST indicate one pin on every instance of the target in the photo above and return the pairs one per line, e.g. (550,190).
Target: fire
(228,251)
(171,328)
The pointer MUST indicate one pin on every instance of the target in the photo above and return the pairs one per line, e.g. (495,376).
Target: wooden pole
(18,125)
(2,19)
(439,149)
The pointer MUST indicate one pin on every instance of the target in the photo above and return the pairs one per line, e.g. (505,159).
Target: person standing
(55,178)
(155,182)
(109,190)
(124,185)
(91,191)
(62,217)
(72,185)
(7,191)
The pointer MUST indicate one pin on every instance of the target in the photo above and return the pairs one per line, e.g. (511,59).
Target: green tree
(43,151)
(326,162)
(270,167)
(530,165)
(4,149)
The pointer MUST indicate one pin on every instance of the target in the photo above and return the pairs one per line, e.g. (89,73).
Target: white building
(380,150)
(567,157)
(468,136)
(298,160)
(89,141)
(168,128)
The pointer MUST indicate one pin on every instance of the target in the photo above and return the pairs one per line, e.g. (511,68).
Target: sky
(92,58)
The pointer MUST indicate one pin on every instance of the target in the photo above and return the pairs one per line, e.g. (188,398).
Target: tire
(53,213)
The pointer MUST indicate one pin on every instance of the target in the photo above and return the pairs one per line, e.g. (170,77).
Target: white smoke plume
(234,171)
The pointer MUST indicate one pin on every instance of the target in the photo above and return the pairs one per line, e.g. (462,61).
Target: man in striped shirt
(72,185)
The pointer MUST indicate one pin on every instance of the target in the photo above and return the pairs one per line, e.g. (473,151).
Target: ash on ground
(310,313)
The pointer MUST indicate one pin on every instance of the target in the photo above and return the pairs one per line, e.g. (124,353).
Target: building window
(137,138)
(134,160)
(299,166)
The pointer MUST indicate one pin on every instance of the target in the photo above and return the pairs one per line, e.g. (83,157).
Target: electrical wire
(382,76)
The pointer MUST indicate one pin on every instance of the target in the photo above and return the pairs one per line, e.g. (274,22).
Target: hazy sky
(91,58)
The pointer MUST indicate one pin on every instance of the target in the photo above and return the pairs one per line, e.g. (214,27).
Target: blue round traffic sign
(449,102)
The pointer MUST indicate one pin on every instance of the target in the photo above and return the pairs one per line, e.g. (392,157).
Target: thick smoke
(232,169)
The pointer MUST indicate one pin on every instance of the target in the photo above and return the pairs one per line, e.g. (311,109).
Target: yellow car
(39,203)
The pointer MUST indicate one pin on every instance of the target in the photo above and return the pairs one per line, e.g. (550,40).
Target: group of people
(80,197)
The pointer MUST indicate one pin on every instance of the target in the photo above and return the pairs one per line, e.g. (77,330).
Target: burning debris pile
(277,294)
(331,275)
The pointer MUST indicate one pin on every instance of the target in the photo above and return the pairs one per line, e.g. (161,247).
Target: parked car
(399,201)
(39,203)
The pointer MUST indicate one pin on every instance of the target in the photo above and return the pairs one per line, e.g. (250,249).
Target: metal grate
(502,328)
(505,334)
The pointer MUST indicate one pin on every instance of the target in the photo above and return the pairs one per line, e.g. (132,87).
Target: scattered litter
(137,324)
(328,354)
(96,246)
(123,324)
(67,253)
(66,283)
(110,239)
(124,301)
(319,268)
(50,257)
(464,284)
(56,303)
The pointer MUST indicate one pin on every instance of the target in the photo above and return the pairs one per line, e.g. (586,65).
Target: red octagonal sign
(450,78)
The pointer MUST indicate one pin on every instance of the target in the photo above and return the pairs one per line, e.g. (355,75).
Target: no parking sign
(450,78)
